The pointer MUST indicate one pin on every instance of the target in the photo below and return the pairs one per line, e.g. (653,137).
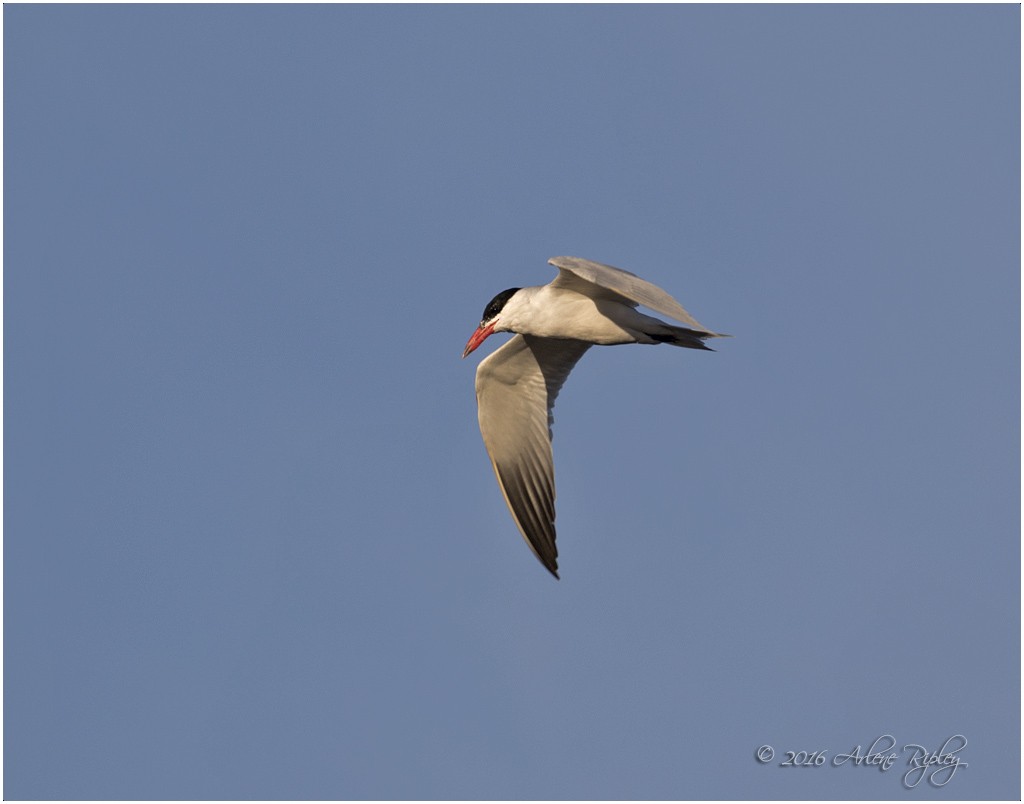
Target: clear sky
(253,544)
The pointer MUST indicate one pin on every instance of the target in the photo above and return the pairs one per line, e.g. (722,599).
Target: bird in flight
(587,303)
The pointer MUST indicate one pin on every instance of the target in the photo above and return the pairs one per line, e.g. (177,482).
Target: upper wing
(603,281)
(516,388)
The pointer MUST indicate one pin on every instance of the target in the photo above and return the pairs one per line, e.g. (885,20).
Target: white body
(548,311)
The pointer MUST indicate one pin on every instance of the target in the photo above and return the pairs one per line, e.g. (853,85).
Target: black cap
(495,305)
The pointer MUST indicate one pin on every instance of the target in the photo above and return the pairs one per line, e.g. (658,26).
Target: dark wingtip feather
(686,338)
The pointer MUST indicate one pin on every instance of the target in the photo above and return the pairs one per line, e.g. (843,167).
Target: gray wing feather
(605,281)
(516,388)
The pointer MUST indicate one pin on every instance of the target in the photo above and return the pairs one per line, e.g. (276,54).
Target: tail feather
(682,336)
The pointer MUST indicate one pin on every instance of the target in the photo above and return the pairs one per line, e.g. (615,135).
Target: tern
(587,303)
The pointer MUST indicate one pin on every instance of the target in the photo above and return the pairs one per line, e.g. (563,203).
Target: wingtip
(551,566)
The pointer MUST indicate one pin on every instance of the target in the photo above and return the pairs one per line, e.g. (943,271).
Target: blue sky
(253,545)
